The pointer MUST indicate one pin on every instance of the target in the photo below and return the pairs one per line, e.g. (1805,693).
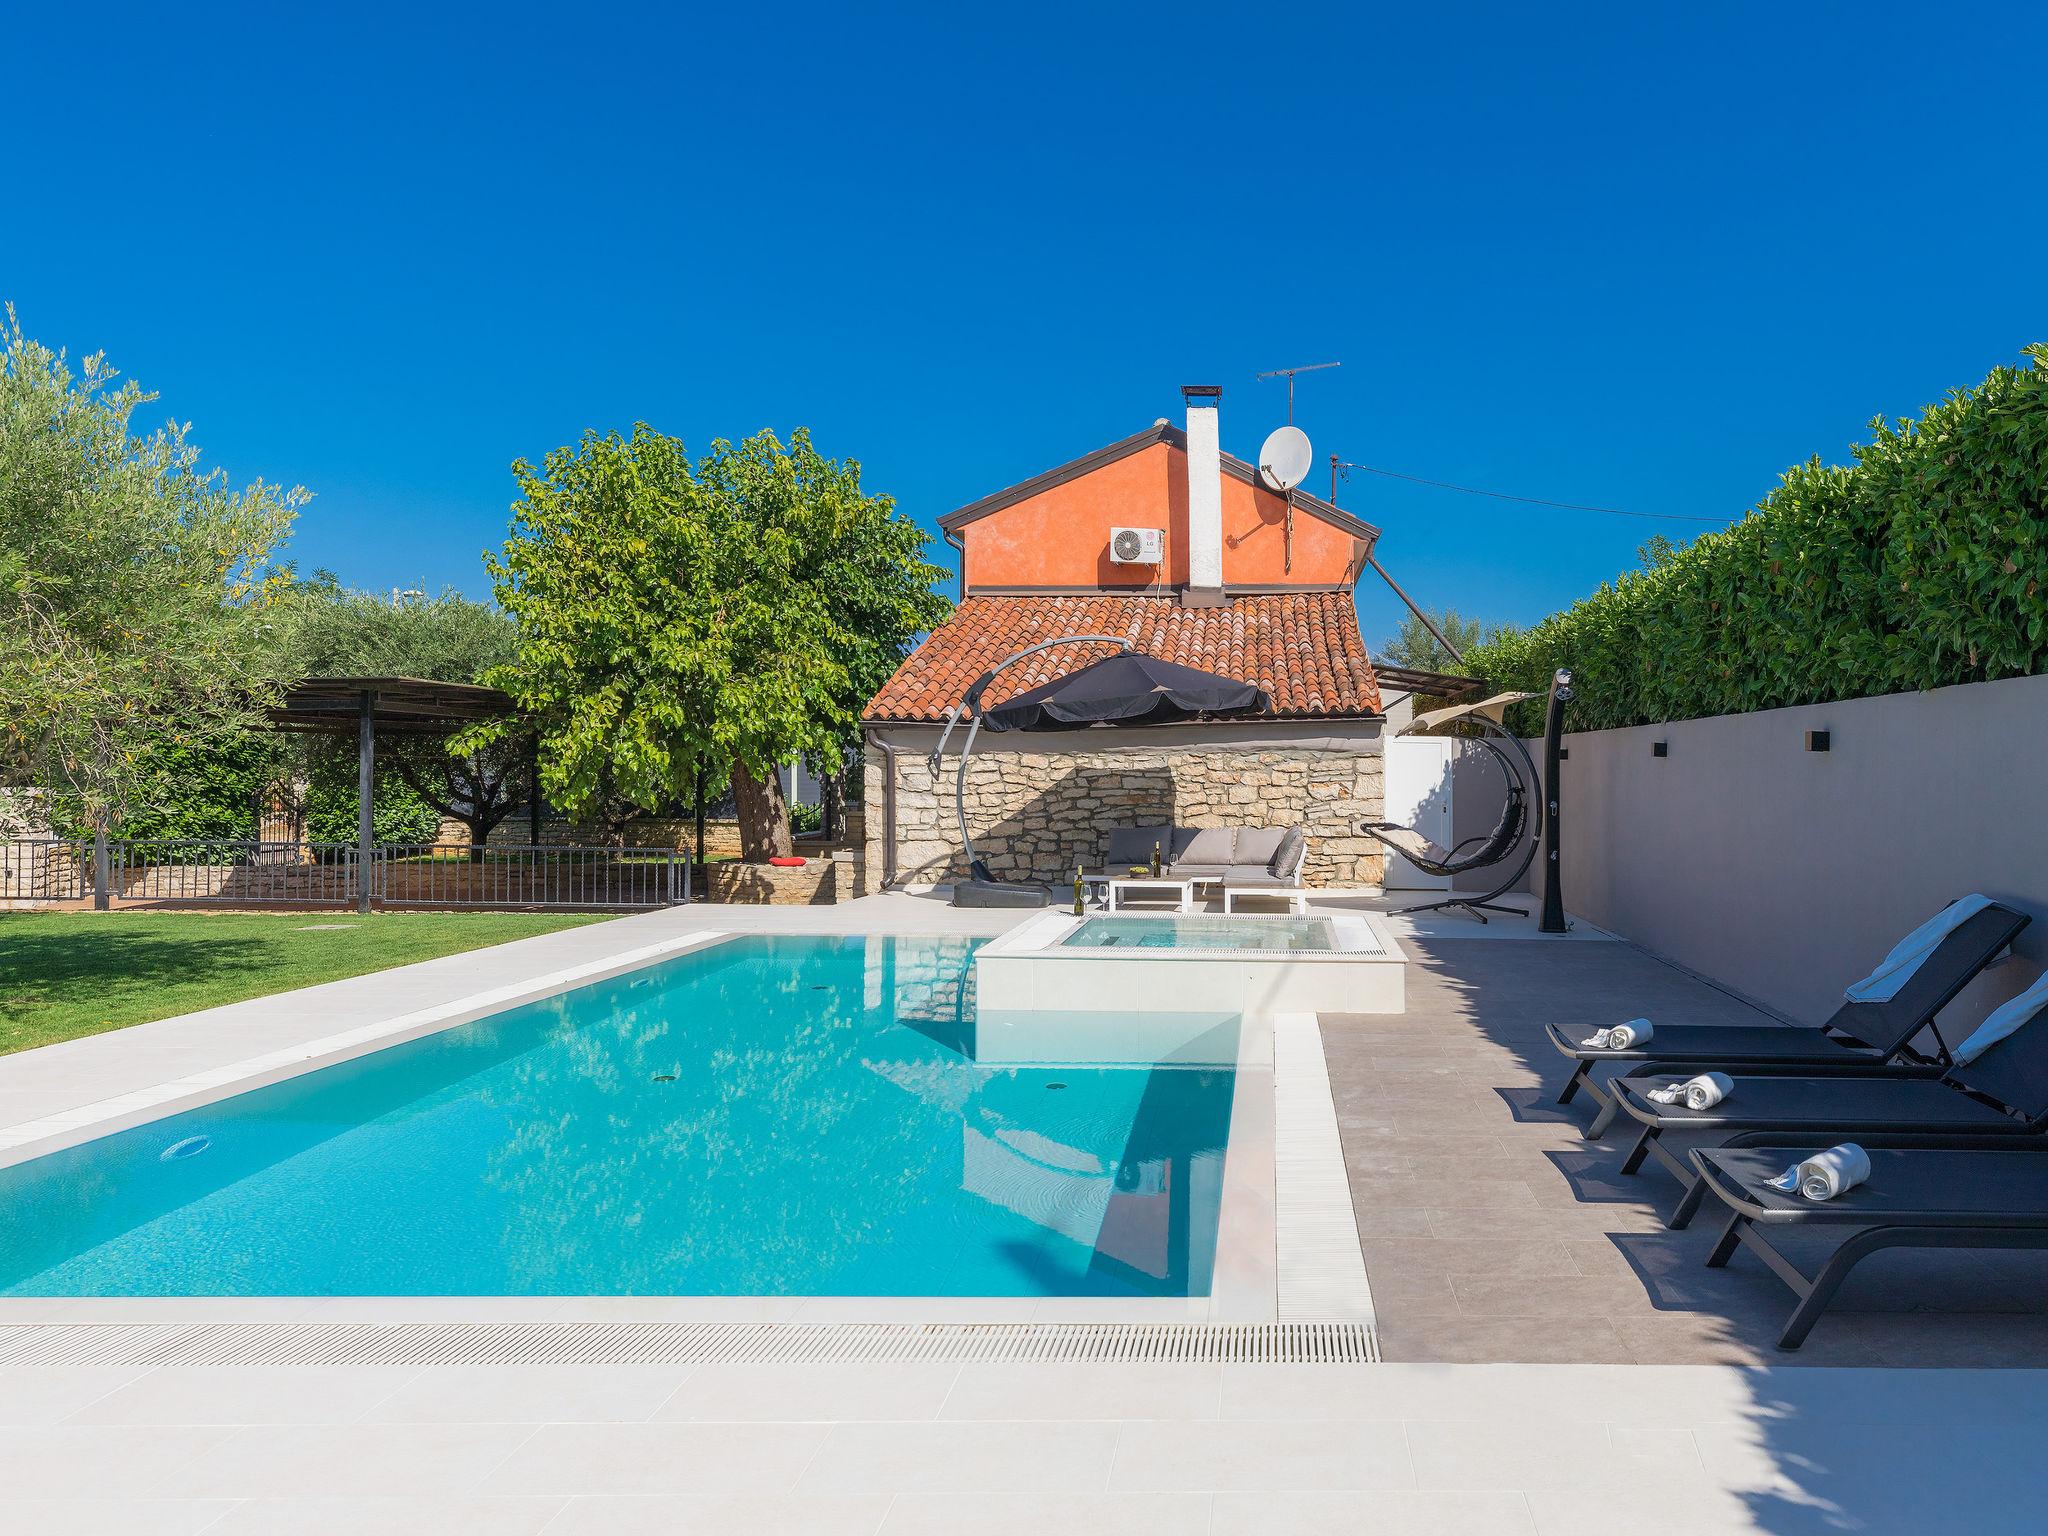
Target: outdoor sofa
(1923,1192)
(1238,856)
(2001,1093)
(1859,1036)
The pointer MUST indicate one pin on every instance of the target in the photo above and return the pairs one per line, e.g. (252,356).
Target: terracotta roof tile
(1304,648)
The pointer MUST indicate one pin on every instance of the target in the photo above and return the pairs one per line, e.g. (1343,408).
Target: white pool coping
(1033,966)
(1358,935)
(1282,1156)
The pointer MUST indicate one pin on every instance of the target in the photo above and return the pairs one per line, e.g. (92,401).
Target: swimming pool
(768,1116)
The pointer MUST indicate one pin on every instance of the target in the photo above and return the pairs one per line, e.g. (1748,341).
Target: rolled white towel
(1621,1036)
(1702,1092)
(1708,1089)
(1826,1174)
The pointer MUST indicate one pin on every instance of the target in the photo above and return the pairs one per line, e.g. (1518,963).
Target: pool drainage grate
(537,1343)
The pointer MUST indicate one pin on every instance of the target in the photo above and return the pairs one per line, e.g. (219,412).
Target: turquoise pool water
(1198,932)
(769,1116)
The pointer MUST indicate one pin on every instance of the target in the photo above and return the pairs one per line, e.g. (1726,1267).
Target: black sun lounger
(1918,1196)
(2003,1093)
(1859,1036)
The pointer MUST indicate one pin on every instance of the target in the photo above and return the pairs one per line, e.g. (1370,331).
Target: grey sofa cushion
(1216,846)
(1134,845)
(1249,874)
(1257,845)
(1286,860)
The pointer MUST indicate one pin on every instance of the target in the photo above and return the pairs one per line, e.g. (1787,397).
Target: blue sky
(1642,256)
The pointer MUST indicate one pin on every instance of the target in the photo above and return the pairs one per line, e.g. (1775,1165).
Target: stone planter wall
(1035,815)
(814,885)
(721,834)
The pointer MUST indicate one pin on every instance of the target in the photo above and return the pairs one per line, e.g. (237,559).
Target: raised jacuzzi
(1186,963)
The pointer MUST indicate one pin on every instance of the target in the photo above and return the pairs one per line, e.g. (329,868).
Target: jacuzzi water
(767,1116)
(1198,932)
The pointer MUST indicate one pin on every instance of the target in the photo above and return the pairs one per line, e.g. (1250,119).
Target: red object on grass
(789,863)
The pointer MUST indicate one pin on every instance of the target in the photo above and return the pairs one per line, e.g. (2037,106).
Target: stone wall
(1035,815)
(721,834)
(816,884)
(31,869)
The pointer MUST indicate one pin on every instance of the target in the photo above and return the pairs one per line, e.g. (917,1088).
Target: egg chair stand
(1519,825)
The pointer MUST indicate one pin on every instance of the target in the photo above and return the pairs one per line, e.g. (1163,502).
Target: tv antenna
(1288,374)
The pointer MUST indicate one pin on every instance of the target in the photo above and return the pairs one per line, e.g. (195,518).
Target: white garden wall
(1784,873)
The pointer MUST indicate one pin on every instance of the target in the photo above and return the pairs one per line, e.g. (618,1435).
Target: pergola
(367,706)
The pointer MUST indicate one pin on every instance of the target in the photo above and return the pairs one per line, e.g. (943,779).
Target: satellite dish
(1284,460)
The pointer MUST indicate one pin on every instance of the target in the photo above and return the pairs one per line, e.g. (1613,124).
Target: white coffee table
(1295,896)
(1121,885)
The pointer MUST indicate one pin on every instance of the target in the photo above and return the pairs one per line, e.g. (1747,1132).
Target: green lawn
(66,974)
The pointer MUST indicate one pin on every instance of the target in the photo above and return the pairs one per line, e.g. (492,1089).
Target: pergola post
(366,780)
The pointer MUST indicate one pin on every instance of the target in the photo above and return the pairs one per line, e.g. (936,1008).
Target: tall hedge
(1923,563)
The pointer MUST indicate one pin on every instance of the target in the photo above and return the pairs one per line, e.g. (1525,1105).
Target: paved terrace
(1493,1231)
(1492,1234)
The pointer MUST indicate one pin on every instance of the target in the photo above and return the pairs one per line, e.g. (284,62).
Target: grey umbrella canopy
(1130,688)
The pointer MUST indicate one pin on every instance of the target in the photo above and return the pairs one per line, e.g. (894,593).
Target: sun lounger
(2002,1092)
(1859,1036)
(1928,1193)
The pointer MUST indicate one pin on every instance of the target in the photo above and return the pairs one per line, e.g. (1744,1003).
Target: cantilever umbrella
(1129,688)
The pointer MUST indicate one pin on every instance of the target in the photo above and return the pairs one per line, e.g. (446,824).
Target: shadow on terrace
(1494,1232)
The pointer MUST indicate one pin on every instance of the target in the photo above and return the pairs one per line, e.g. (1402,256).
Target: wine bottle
(1155,860)
(1080,894)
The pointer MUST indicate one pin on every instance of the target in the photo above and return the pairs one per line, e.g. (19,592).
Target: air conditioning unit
(1137,546)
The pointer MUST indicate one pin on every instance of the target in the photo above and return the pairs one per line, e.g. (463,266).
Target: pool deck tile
(1838,1438)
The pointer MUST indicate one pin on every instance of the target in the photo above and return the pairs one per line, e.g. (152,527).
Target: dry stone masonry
(1035,815)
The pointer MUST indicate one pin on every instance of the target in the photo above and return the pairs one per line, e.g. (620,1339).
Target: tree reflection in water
(775,1115)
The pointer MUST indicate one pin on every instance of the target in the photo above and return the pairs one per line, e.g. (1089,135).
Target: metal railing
(40,869)
(535,875)
(230,872)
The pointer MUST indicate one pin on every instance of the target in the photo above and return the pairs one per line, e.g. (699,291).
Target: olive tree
(137,590)
(338,633)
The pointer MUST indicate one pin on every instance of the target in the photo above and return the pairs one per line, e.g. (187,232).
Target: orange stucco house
(1162,539)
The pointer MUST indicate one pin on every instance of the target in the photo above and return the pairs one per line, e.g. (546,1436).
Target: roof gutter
(954,537)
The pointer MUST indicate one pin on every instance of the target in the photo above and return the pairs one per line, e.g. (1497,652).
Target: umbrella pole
(970,706)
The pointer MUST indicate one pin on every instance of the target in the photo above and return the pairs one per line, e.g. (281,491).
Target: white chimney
(1205,497)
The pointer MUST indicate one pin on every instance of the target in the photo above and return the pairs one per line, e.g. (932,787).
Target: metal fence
(162,869)
(227,872)
(536,875)
(40,869)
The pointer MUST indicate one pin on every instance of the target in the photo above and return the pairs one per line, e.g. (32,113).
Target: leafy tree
(1657,550)
(336,633)
(1414,646)
(211,792)
(805,527)
(398,813)
(135,587)
(727,617)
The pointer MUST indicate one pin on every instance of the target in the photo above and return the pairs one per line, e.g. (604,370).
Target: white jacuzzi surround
(1030,967)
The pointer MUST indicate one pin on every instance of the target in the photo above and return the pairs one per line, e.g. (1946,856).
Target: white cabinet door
(1418,780)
